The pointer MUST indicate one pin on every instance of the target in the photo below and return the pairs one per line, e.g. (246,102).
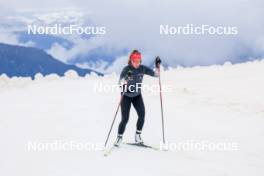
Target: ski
(142,145)
(111,149)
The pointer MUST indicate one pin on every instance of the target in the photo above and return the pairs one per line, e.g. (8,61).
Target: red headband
(135,56)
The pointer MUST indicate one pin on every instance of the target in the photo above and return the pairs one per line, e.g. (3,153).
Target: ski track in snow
(216,103)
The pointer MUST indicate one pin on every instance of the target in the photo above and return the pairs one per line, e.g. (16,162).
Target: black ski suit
(133,95)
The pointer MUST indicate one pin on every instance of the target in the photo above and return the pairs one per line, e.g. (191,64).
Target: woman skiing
(131,79)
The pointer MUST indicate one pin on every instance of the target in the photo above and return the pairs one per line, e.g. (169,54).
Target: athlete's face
(135,63)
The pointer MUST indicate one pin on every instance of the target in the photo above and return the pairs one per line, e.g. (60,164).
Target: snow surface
(216,104)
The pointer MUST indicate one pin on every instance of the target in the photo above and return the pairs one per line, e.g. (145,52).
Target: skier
(132,93)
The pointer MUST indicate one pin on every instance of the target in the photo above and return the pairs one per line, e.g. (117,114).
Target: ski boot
(138,138)
(118,140)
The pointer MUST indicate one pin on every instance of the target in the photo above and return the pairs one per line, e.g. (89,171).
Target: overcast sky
(135,24)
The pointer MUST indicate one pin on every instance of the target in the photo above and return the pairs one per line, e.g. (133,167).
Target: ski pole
(112,124)
(114,119)
(158,61)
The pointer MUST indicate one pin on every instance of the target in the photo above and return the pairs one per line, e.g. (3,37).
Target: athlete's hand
(157,62)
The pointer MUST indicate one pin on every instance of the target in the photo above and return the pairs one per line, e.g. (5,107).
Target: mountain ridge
(28,61)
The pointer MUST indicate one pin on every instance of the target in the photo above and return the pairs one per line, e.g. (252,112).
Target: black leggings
(125,109)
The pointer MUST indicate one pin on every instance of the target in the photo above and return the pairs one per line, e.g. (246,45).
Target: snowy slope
(216,104)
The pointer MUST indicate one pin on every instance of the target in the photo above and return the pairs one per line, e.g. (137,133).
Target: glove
(123,82)
(129,75)
(157,62)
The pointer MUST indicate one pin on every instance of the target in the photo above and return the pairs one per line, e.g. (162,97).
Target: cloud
(117,65)
(138,26)
(80,48)
(135,24)
(8,38)
(11,38)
